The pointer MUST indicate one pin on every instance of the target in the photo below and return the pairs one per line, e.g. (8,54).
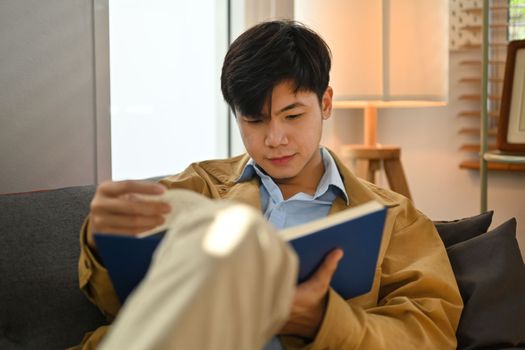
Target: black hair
(268,54)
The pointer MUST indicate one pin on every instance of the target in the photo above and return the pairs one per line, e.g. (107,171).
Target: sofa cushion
(491,277)
(460,230)
(41,306)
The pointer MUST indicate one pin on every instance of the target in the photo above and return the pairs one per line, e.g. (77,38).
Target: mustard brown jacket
(414,302)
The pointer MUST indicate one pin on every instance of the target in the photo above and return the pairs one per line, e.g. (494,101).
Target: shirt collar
(331,176)
(248,172)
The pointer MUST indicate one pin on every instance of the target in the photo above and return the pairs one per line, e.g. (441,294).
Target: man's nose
(276,134)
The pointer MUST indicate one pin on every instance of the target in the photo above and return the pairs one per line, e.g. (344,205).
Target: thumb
(324,273)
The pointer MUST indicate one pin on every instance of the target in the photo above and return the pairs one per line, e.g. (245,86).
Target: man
(275,78)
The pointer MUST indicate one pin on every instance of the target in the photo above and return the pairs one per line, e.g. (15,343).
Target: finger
(123,224)
(324,273)
(117,188)
(128,206)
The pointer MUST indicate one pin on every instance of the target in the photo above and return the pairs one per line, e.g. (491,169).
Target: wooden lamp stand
(369,156)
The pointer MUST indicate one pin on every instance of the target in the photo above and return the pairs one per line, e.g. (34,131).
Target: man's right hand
(115,208)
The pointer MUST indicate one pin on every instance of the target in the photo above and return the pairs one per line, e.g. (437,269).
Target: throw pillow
(491,277)
(460,230)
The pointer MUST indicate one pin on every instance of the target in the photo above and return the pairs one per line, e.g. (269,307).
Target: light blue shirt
(299,208)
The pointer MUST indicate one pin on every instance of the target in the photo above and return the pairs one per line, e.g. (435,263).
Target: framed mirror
(511,126)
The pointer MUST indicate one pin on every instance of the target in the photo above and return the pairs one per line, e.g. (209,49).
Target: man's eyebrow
(292,106)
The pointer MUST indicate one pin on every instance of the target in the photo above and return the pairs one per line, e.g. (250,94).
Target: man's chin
(279,172)
(281,175)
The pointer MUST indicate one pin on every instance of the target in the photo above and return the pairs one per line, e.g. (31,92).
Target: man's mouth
(281,160)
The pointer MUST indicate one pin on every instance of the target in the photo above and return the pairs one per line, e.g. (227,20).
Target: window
(516,19)
(166,106)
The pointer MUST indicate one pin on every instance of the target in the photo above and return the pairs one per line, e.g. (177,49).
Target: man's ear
(326,103)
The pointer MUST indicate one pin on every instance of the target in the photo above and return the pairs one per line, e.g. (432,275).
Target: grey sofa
(41,306)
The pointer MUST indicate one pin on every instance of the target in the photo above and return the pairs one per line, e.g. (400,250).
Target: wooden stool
(368,160)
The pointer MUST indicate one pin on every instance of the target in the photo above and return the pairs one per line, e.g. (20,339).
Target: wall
(430,141)
(47,102)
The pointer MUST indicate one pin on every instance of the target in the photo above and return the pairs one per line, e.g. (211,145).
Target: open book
(358,231)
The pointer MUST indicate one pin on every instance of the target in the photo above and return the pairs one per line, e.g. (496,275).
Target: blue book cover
(127,258)
(357,231)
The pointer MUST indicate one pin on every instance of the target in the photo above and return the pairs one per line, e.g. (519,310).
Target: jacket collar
(358,191)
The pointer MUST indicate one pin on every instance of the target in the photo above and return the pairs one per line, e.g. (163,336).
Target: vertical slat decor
(466,39)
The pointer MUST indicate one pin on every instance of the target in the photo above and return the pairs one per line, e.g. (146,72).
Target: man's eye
(294,116)
(253,121)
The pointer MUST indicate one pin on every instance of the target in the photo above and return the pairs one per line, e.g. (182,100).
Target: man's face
(284,139)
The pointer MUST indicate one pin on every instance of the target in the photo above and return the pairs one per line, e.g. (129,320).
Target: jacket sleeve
(418,305)
(94,278)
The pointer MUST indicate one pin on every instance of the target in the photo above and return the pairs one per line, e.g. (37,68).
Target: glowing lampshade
(386,53)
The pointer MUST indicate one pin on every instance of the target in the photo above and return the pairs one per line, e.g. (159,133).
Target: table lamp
(386,54)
